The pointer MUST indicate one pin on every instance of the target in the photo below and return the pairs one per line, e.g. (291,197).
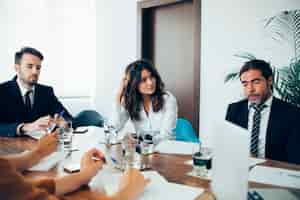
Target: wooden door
(169,35)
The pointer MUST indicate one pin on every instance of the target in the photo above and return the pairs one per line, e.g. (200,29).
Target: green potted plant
(284,27)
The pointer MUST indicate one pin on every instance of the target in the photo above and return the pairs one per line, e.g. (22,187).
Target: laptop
(230,163)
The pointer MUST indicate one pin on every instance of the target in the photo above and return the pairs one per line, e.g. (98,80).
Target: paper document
(36,134)
(275,176)
(255,161)
(158,188)
(48,162)
(175,147)
(162,191)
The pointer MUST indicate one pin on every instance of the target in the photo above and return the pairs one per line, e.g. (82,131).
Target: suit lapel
(272,121)
(16,95)
(244,115)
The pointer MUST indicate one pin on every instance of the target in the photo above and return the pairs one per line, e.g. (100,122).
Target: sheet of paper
(36,134)
(48,162)
(255,161)
(155,177)
(162,191)
(106,180)
(175,147)
(230,161)
(158,189)
(275,176)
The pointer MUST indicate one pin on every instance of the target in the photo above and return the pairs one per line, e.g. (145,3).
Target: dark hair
(29,50)
(133,98)
(260,65)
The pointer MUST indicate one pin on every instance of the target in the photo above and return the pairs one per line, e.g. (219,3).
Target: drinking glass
(111,133)
(67,136)
(132,159)
(201,160)
(147,144)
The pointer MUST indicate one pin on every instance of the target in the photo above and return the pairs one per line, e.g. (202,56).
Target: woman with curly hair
(143,99)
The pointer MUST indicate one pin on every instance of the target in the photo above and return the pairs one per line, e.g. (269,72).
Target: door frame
(146,5)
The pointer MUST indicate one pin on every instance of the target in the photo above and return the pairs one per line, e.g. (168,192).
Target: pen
(51,128)
(54,125)
(114,160)
(62,113)
(98,159)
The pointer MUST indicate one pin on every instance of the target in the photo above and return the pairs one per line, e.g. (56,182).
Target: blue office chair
(185,132)
(88,118)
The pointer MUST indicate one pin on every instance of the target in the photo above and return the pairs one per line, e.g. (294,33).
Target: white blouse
(163,121)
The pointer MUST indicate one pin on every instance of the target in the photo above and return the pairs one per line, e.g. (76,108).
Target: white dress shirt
(265,114)
(163,121)
(23,91)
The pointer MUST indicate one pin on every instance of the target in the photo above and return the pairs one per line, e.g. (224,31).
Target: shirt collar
(267,103)
(24,89)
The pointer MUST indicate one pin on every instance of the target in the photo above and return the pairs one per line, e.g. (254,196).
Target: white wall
(65,32)
(229,27)
(116,47)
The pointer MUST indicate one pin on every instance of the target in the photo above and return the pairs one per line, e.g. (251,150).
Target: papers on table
(175,147)
(36,134)
(255,161)
(275,176)
(108,180)
(155,191)
(48,162)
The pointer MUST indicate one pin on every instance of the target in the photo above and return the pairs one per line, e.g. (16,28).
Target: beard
(31,81)
(259,99)
(255,98)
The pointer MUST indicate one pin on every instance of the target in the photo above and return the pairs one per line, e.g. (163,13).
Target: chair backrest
(88,118)
(185,131)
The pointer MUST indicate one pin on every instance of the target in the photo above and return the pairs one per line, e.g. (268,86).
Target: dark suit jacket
(283,131)
(12,107)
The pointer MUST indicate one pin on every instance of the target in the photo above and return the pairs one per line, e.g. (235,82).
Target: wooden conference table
(172,167)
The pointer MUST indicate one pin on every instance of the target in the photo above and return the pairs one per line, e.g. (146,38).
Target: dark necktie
(255,128)
(27,100)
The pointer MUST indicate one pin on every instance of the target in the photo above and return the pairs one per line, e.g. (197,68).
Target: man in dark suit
(273,123)
(25,105)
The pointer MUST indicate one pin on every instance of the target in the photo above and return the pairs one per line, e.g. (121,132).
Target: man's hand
(91,162)
(47,144)
(60,121)
(133,183)
(40,124)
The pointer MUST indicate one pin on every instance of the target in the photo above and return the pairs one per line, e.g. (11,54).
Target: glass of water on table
(201,160)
